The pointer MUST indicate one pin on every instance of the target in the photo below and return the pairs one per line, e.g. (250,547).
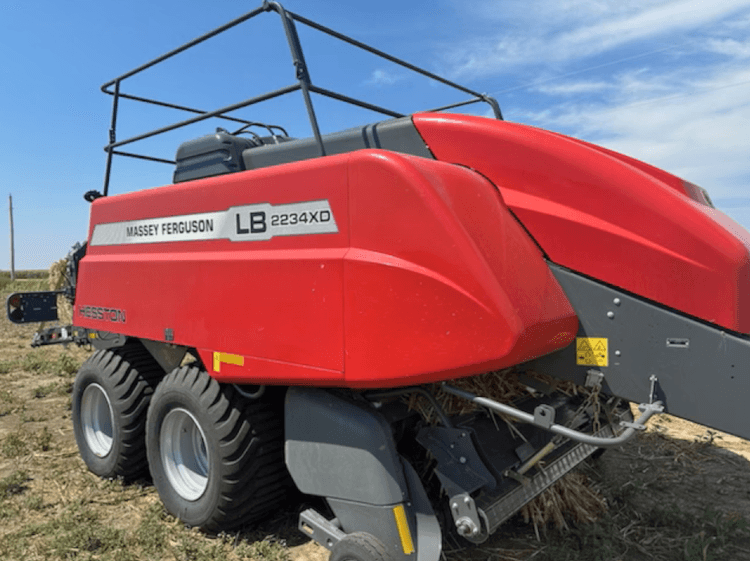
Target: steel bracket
(594,379)
(459,466)
(544,416)
(319,528)
(468,518)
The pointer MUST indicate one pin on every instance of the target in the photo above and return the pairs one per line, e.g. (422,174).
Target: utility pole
(12,251)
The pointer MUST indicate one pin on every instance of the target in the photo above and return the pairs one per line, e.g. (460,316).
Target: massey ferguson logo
(246,223)
(103,314)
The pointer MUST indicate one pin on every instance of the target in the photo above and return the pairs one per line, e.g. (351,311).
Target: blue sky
(667,82)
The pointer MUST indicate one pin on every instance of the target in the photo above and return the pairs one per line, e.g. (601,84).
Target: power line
(590,68)
(678,95)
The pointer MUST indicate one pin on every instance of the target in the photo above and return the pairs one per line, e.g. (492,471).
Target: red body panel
(608,216)
(428,276)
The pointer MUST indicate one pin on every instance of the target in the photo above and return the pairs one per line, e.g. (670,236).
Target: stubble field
(679,492)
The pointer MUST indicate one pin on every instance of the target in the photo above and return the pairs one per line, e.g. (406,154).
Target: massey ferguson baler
(262,322)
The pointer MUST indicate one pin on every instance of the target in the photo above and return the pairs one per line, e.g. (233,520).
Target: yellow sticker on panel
(592,351)
(227,358)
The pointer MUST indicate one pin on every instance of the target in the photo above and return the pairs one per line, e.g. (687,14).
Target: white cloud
(729,47)
(699,131)
(570,30)
(664,81)
(381,77)
(738,23)
(629,85)
(659,20)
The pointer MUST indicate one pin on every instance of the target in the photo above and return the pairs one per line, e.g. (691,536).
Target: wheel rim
(184,454)
(97,420)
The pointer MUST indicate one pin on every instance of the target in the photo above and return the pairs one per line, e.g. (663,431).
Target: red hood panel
(607,216)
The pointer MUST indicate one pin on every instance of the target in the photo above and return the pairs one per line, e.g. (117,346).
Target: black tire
(216,458)
(360,546)
(110,398)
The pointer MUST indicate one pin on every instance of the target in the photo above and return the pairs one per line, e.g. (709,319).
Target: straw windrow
(572,498)
(56,282)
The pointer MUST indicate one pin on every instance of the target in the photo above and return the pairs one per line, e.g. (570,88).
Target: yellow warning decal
(592,351)
(402,524)
(227,358)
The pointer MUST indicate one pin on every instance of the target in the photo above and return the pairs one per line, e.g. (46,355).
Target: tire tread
(131,375)
(254,477)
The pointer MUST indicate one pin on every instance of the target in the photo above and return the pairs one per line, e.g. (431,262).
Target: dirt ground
(680,491)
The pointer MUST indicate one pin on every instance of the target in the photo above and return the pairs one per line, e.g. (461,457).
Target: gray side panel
(701,372)
(429,539)
(339,449)
(380,522)
(397,135)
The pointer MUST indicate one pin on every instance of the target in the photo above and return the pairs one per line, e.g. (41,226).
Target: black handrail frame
(303,84)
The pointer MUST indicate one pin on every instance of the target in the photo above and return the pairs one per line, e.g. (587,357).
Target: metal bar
(186,46)
(352,101)
(269,128)
(480,96)
(208,115)
(178,107)
(382,54)
(491,101)
(301,71)
(647,409)
(12,245)
(313,119)
(112,137)
(495,106)
(143,157)
(319,528)
(453,105)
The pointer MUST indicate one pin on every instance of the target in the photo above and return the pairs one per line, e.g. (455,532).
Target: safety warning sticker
(592,351)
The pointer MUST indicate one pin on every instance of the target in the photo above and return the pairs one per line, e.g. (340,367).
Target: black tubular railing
(303,84)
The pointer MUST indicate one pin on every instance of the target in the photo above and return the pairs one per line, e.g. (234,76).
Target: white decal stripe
(242,223)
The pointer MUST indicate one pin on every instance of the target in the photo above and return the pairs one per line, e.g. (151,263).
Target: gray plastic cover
(210,155)
(396,135)
(339,449)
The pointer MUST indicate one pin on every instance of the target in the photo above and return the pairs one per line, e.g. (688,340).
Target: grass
(52,508)
(14,445)
(14,484)
(664,534)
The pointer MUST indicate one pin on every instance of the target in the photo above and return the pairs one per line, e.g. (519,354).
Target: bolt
(617,353)
(466,527)
(462,460)
(610,315)
(616,301)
